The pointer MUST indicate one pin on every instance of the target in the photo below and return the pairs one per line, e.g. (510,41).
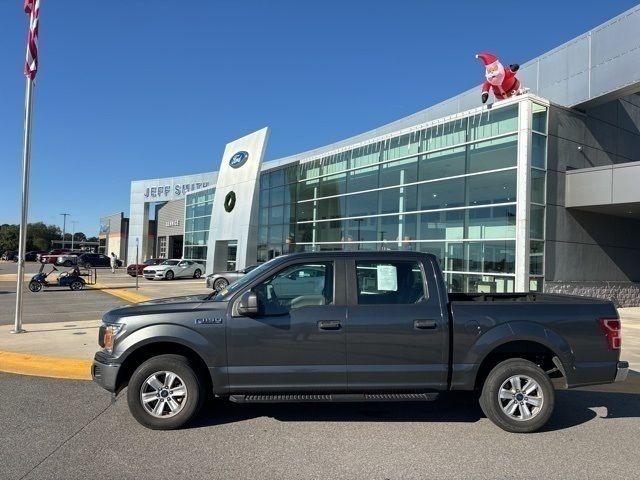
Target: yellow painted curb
(126,295)
(41,366)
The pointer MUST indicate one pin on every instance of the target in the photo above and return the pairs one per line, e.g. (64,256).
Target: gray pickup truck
(355,326)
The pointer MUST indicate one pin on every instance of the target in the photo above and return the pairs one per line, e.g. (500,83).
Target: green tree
(9,235)
(37,237)
(79,237)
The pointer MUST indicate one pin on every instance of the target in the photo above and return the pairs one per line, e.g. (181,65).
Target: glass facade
(449,188)
(538,196)
(198,207)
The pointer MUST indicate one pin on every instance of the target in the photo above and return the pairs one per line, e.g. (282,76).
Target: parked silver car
(221,280)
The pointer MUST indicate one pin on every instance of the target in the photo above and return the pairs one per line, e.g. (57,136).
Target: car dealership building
(539,192)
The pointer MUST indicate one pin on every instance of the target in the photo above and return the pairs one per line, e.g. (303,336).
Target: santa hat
(487,58)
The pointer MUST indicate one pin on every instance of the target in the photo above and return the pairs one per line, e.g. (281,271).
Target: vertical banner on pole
(32,8)
(137,248)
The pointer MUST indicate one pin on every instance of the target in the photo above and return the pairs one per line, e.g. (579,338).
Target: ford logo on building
(239,159)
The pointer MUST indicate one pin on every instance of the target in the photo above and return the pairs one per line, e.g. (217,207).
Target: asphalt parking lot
(63,305)
(75,433)
(50,305)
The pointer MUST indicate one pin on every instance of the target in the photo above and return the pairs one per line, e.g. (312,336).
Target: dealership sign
(165,190)
(239,159)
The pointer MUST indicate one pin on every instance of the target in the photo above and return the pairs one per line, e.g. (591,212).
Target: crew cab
(52,256)
(68,259)
(355,326)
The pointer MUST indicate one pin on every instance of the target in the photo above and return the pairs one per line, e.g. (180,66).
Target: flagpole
(26,166)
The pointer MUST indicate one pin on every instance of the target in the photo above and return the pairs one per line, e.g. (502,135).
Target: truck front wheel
(165,393)
(517,396)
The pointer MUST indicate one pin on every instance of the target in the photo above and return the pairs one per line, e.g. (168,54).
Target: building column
(523,197)
(138,228)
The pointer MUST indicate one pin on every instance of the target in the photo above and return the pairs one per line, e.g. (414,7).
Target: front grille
(149,272)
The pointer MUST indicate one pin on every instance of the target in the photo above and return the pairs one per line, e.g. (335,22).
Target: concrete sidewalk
(58,350)
(66,349)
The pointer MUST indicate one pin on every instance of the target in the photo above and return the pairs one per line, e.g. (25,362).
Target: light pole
(73,230)
(64,226)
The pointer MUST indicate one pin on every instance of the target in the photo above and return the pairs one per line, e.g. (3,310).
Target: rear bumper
(622,372)
(104,373)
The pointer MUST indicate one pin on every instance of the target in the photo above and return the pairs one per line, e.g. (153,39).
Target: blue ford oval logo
(239,159)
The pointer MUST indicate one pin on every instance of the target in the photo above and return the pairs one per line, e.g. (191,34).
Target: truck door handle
(329,325)
(425,324)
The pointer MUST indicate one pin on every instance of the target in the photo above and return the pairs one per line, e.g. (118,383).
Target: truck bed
(521,297)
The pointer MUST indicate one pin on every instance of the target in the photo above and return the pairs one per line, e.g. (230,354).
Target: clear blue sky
(137,89)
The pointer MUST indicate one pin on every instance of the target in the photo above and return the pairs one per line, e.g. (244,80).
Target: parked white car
(173,268)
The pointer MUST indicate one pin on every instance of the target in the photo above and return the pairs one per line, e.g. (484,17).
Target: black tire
(88,265)
(197,273)
(189,407)
(76,285)
(492,405)
(34,286)
(169,275)
(67,263)
(220,284)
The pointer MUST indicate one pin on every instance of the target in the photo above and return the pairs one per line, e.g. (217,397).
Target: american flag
(32,8)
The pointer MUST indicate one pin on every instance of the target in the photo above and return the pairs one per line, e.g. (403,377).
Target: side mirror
(248,304)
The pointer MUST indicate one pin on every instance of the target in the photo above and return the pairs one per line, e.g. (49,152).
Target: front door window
(297,286)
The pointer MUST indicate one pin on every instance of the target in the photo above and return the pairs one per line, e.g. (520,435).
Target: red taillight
(613,330)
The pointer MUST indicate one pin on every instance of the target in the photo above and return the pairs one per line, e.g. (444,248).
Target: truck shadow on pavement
(572,408)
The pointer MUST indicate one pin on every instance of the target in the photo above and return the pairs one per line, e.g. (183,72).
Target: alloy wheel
(520,397)
(163,394)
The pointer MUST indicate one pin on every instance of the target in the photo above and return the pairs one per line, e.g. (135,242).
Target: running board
(335,397)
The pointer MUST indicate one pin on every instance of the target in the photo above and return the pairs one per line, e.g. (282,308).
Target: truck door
(396,338)
(297,342)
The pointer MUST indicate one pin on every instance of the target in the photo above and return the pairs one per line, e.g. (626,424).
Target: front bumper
(622,371)
(105,373)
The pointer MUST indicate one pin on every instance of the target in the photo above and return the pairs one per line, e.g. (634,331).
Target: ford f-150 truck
(355,326)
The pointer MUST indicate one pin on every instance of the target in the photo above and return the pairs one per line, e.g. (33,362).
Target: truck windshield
(240,283)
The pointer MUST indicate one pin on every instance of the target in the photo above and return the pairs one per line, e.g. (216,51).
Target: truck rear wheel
(518,396)
(165,393)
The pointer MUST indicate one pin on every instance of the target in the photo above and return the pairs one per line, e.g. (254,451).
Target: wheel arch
(533,351)
(141,353)
(529,340)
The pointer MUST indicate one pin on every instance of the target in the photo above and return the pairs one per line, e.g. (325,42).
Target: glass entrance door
(232,249)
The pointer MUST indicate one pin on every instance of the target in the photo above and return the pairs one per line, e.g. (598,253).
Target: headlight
(107,334)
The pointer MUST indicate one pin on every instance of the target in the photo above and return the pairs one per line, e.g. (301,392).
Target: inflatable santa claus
(501,80)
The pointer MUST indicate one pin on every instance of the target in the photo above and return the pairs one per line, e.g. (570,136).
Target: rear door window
(390,282)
